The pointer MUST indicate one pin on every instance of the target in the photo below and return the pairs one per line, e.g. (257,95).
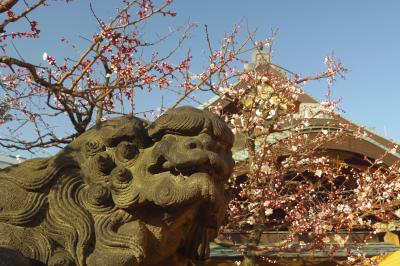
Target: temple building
(352,150)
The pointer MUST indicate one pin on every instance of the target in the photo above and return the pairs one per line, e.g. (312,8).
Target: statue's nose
(204,150)
(195,152)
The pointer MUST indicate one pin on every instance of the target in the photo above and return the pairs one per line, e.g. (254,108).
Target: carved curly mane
(35,191)
(58,197)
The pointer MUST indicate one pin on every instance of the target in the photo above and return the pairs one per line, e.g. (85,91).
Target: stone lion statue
(126,192)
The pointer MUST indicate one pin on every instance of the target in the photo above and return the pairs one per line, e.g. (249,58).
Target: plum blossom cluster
(291,183)
(119,60)
(14,11)
(34,33)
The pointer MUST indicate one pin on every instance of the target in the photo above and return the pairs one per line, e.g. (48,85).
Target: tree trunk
(250,260)
(250,256)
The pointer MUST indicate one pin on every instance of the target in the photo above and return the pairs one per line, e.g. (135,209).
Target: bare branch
(6,5)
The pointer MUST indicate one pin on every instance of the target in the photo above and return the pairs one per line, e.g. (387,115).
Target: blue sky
(364,34)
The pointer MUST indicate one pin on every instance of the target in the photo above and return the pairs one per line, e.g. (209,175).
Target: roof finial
(261,57)
(260,46)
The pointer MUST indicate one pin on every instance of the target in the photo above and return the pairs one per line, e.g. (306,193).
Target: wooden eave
(373,146)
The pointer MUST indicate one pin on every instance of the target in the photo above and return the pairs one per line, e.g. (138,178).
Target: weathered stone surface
(123,193)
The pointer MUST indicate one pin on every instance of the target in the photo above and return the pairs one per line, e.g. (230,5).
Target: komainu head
(126,192)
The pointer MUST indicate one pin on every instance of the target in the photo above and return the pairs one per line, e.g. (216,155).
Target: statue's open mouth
(180,171)
(183,172)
